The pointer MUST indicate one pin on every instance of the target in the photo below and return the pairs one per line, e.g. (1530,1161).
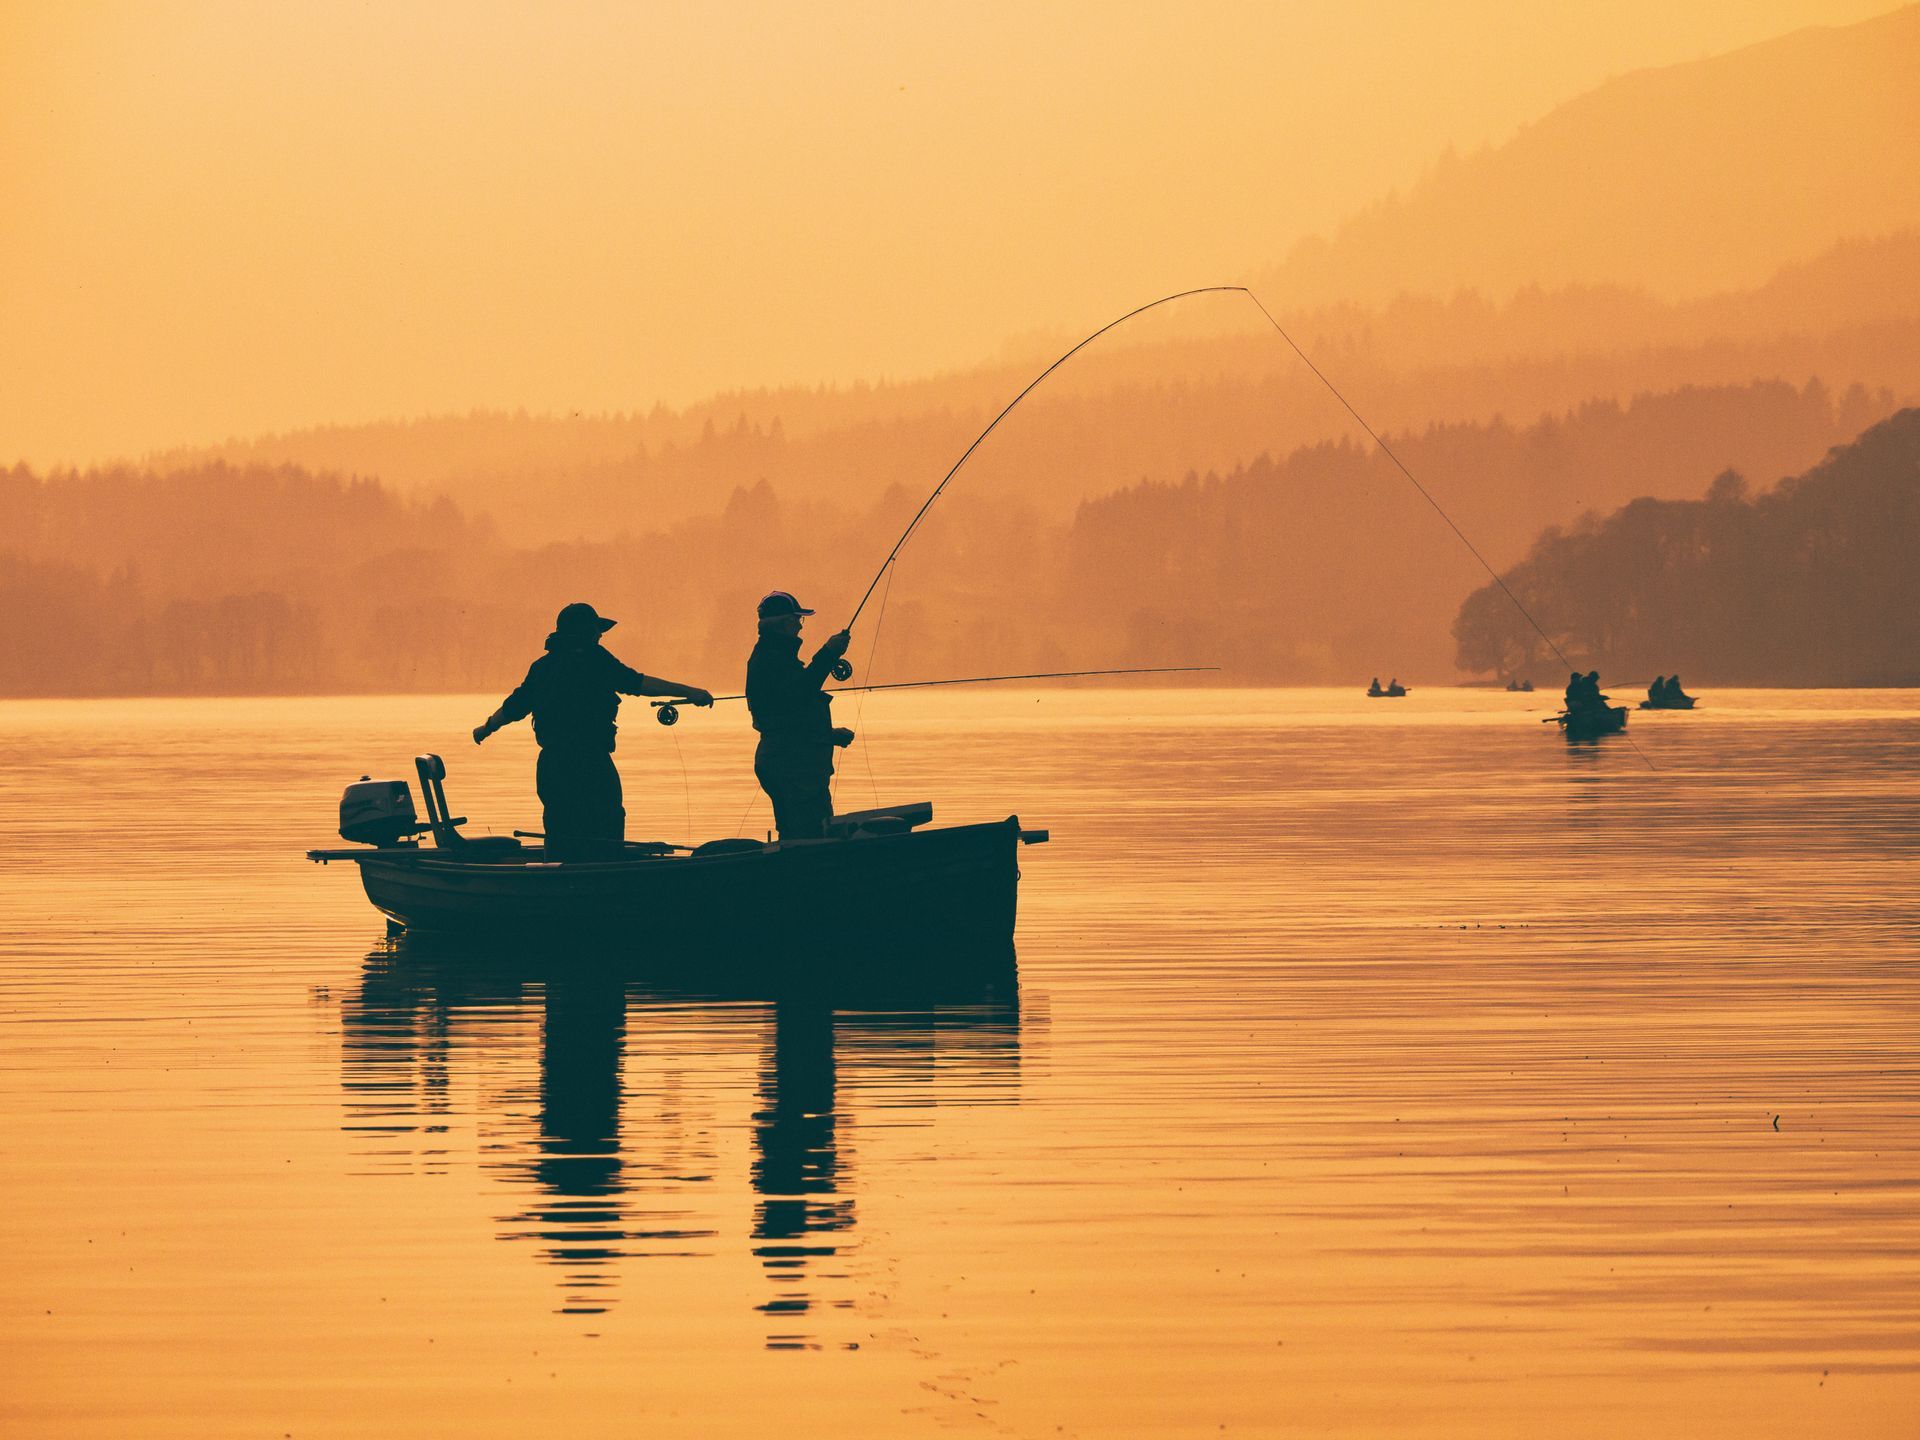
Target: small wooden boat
(1685,702)
(1591,722)
(1392,692)
(877,875)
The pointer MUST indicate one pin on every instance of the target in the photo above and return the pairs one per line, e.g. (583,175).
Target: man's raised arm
(831,649)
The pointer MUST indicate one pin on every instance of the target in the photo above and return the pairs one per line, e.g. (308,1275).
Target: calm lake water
(1376,1068)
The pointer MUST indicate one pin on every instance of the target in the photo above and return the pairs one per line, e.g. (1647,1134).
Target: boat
(1685,702)
(1519,687)
(878,876)
(1392,692)
(1591,722)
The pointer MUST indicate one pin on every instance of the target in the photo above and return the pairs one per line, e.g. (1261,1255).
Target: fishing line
(982,680)
(1425,494)
(747,809)
(1318,374)
(686,786)
(860,711)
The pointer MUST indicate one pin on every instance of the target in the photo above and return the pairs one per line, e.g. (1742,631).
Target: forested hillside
(1811,582)
(1317,566)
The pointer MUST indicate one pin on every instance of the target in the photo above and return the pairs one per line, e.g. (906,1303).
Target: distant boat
(1520,687)
(1685,702)
(1392,692)
(877,877)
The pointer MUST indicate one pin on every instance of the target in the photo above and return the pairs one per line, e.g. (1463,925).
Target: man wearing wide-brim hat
(794,761)
(573,693)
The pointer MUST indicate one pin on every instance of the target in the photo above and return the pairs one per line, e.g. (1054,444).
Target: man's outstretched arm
(629,681)
(516,706)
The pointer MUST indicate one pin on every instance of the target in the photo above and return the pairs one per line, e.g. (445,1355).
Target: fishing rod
(842,669)
(667,712)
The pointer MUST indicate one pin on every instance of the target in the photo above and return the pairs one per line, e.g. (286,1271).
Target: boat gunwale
(434,858)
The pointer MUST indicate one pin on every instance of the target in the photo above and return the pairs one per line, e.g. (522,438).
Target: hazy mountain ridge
(1663,179)
(1151,410)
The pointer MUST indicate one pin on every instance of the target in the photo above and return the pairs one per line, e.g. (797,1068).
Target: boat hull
(1592,724)
(957,886)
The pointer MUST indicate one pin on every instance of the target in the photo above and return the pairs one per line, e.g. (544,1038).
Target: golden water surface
(1375,1068)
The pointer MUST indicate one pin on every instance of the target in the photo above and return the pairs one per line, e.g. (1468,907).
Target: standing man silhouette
(794,762)
(573,693)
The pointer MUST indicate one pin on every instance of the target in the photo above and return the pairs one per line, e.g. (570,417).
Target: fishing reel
(842,669)
(667,714)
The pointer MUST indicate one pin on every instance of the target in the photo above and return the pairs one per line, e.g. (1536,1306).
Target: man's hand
(837,644)
(699,697)
(480,733)
(842,736)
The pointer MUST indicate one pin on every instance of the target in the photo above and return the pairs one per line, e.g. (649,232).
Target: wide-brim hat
(581,618)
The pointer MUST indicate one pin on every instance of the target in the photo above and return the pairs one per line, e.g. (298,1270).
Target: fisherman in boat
(1374,689)
(573,693)
(1583,692)
(1657,691)
(794,761)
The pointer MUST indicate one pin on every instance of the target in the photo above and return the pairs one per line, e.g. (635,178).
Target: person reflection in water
(797,1164)
(578,1164)
(794,761)
(573,693)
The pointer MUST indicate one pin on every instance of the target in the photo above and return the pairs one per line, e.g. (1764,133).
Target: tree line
(1322,566)
(1812,582)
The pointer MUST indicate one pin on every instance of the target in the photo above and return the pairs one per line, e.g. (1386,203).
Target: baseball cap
(781,603)
(582,618)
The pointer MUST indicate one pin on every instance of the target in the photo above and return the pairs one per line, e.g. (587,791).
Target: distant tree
(1491,635)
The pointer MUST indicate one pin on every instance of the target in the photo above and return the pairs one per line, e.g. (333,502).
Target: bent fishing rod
(667,712)
(842,668)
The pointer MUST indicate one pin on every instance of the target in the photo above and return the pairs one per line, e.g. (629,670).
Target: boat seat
(726,847)
(890,820)
(446,827)
(884,825)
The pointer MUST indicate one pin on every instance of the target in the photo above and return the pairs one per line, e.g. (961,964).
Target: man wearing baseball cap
(573,693)
(794,761)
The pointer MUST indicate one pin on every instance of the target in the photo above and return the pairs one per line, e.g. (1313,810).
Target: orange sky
(226,218)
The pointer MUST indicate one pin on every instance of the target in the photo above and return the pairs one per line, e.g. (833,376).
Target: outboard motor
(378,812)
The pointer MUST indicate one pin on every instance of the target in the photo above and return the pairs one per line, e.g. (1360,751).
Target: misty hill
(218,579)
(1841,314)
(1811,583)
(214,527)
(1669,180)
(1316,566)
(1156,407)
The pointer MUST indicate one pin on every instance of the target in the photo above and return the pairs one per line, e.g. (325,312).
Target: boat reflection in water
(623,1134)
